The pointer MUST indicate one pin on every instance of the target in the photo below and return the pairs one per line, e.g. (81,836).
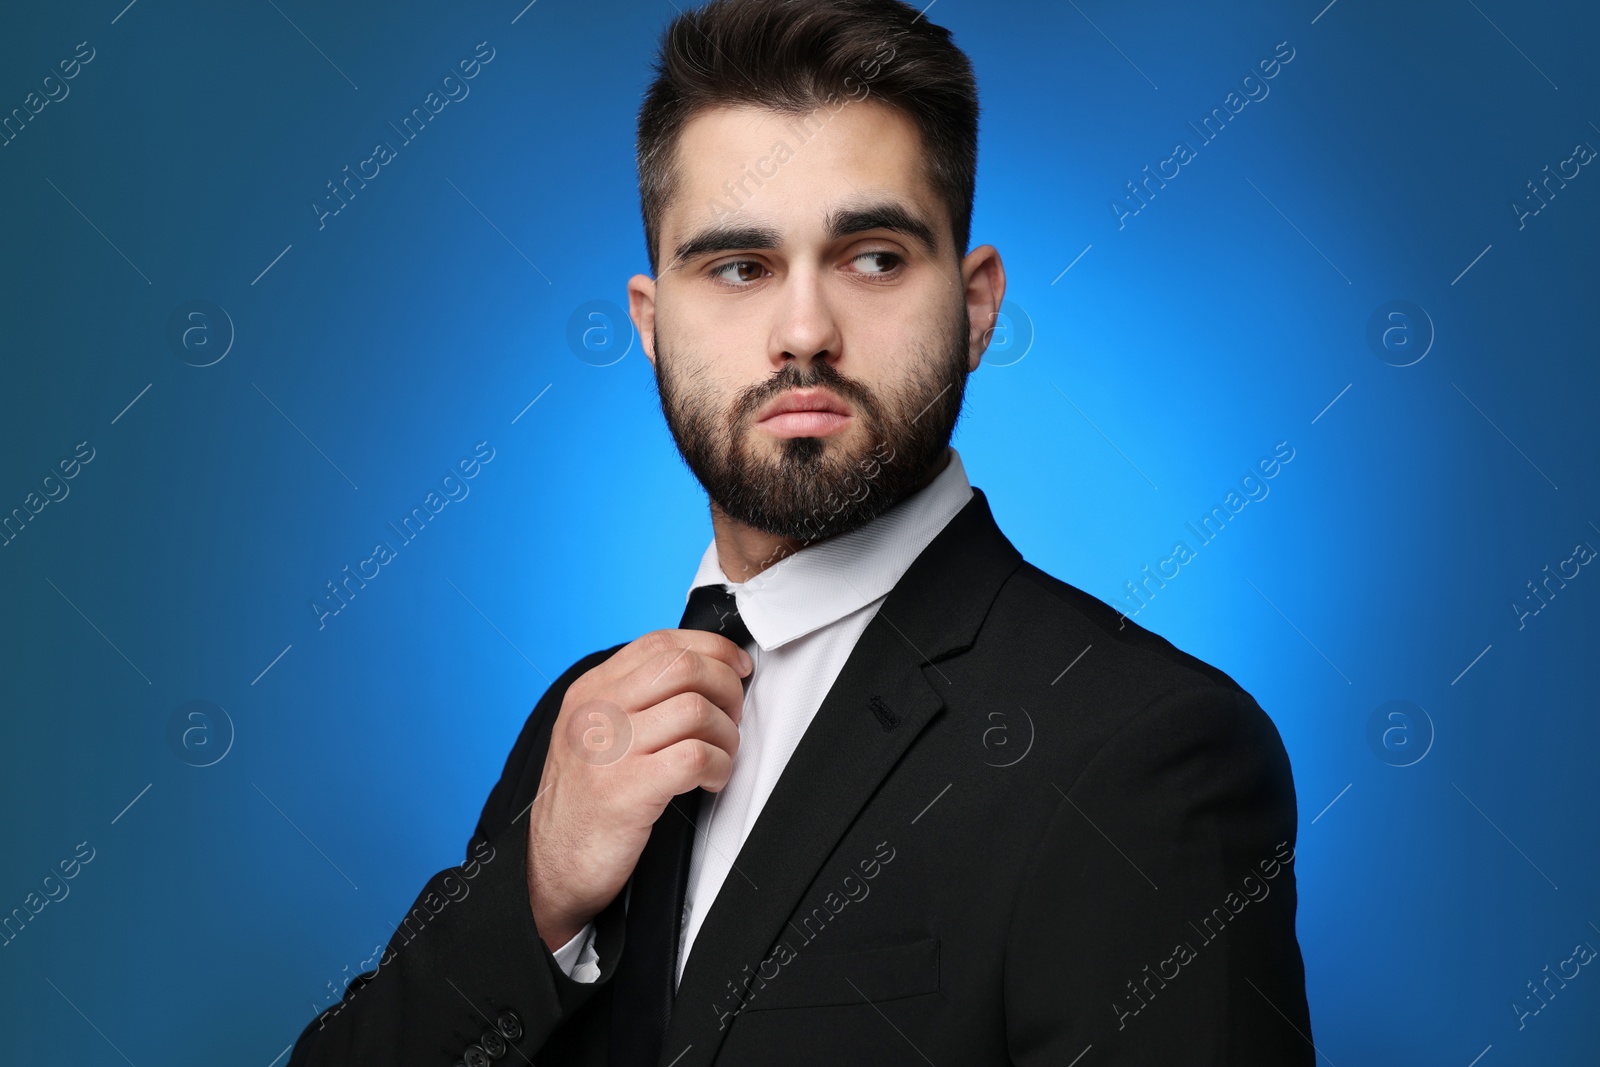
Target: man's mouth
(804,413)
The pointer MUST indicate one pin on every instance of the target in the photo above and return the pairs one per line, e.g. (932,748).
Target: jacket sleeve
(1156,921)
(466,966)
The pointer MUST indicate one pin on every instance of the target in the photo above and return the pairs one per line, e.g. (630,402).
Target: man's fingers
(659,643)
(682,670)
(688,764)
(687,715)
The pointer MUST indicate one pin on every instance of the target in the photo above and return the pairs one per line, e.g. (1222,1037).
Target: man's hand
(656,719)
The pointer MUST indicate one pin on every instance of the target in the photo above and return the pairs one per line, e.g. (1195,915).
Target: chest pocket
(819,979)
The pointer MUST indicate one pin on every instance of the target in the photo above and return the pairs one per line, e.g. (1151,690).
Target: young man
(853,810)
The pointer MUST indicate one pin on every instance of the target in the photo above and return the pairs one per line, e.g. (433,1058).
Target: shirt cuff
(578,959)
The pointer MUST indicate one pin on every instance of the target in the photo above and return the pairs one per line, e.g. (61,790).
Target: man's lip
(803,400)
(805,423)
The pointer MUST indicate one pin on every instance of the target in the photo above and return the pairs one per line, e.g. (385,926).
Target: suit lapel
(881,701)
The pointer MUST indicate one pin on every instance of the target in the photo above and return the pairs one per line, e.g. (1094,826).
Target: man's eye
(878,262)
(739,273)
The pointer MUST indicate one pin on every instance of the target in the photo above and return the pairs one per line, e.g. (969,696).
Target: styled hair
(794,56)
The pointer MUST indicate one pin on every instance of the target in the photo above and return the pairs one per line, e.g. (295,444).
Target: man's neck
(744,551)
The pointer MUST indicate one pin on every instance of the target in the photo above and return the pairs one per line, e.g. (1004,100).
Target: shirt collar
(824,582)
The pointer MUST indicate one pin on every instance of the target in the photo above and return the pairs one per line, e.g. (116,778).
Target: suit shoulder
(1090,672)
(1102,689)
(1070,613)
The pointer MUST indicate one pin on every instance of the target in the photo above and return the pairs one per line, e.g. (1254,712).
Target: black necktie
(641,1003)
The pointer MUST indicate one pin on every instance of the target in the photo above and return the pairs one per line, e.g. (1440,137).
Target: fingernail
(749,664)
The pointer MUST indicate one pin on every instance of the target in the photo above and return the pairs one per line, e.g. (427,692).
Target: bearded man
(888,793)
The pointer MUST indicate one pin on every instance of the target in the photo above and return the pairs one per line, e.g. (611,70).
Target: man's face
(832,284)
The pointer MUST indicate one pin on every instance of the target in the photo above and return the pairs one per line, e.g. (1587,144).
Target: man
(901,797)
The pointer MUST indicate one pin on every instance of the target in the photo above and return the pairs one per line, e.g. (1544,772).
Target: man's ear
(642,310)
(984,281)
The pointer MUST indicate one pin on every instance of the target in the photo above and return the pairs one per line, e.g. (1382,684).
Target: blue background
(1123,398)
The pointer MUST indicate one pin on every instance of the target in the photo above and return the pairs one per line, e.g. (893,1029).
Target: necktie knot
(713,608)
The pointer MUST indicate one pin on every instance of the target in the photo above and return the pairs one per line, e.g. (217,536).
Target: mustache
(789,377)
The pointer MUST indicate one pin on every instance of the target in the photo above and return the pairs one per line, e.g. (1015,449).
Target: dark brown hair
(792,56)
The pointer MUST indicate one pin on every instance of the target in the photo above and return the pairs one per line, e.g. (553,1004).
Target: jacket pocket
(818,979)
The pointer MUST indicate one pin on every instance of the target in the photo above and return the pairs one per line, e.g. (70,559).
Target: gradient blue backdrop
(1124,397)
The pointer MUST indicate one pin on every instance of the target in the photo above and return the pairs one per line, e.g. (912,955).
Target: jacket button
(492,1043)
(475,1057)
(509,1025)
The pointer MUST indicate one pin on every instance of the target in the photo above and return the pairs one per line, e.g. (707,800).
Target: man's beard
(817,487)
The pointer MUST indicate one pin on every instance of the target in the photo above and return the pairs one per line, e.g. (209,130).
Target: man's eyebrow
(724,239)
(886,215)
(843,222)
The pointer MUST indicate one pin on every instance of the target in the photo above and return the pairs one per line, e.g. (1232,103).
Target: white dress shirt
(805,614)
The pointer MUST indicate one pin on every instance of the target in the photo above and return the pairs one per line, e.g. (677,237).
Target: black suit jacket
(974,856)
